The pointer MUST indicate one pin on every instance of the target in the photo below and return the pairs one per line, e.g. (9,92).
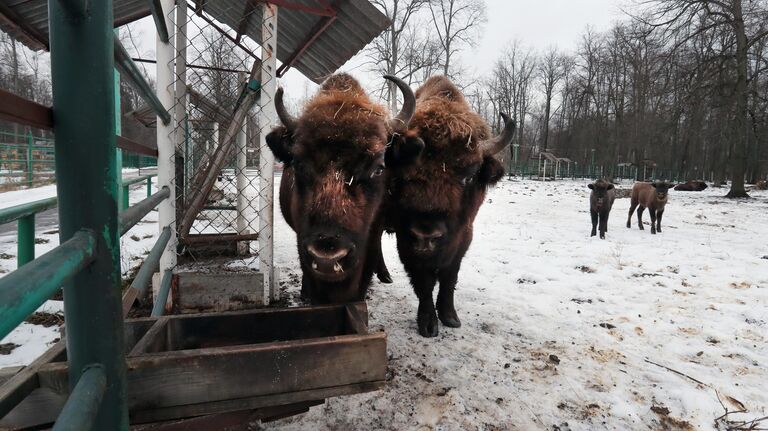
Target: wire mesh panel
(221,114)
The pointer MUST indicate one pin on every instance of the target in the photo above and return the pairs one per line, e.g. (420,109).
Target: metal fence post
(82,71)
(149,186)
(26,246)
(30,172)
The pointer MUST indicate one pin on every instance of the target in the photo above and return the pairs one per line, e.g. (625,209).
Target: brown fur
(653,196)
(329,187)
(440,191)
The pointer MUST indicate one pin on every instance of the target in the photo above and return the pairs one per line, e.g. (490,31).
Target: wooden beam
(15,389)
(242,27)
(135,147)
(313,34)
(17,109)
(34,38)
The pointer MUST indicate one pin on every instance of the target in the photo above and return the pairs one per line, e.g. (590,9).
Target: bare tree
(551,70)
(684,20)
(457,23)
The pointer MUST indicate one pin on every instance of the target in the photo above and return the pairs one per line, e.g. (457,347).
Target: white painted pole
(214,142)
(267,118)
(242,179)
(166,152)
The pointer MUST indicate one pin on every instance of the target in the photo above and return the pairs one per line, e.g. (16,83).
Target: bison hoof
(593,233)
(384,277)
(653,231)
(450,319)
(658,229)
(602,236)
(641,227)
(428,326)
(629,225)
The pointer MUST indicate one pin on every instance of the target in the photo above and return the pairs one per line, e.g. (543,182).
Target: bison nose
(327,255)
(427,236)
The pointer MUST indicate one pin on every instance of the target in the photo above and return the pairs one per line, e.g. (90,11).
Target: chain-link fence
(223,181)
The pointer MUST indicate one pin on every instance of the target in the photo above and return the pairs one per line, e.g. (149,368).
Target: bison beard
(438,181)
(333,184)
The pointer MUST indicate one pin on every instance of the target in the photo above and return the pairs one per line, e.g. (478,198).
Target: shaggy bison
(600,203)
(333,184)
(652,196)
(440,172)
(691,186)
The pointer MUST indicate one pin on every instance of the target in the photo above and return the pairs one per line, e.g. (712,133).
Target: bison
(439,173)
(691,186)
(333,184)
(652,196)
(600,203)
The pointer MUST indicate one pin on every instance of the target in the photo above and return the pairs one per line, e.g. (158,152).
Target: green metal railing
(25,213)
(83,404)
(12,160)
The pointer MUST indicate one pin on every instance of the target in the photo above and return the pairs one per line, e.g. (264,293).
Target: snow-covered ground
(34,340)
(560,331)
(566,332)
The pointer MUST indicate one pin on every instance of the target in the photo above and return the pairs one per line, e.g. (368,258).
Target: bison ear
(490,172)
(403,150)
(654,185)
(591,186)
(610,187)
(280,141)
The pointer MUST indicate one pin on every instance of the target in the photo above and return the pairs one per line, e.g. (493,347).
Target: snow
(534,284)
(135,244)
(560,330)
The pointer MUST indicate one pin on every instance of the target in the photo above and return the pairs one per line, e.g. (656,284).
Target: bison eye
(378,171)
(467,180)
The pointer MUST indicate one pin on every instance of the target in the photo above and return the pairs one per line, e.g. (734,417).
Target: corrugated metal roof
(357,23)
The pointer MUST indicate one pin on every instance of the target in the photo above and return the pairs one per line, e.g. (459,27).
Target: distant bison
(600,204)
(333,184)
(444,165)
(691,186)
(652,196)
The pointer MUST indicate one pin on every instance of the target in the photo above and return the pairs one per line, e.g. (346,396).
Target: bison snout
(327,258)
(427,237)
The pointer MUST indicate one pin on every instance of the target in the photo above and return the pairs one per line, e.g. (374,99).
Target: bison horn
(400,123)
(492,146)
(288,120)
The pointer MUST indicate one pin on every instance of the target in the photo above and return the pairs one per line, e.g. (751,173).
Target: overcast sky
(536,24)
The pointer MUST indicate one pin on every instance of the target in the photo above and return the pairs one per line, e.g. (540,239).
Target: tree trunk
(741,123)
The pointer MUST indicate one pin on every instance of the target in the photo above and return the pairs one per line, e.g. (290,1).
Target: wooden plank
(15,389)
(184,377)
(8,372)
(39,408)
(17,109)
(135,147)
(153,340)
(356,322)
(218,291)
(253,402)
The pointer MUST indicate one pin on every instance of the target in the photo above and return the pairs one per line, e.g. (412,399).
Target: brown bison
(652,196)
(691,186)
(600,203)
(333,184)
(440,171)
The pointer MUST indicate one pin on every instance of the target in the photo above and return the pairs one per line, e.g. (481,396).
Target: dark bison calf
(691,186)
(600,204)
(652,196)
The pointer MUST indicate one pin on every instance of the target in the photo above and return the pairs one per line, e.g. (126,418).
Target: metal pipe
(138,287)
(242,180)
(25,251)
(158,309)
(134,214)
(127,67)
(24,290)
(157,13)
(82,406)
(166,159)
(17,212)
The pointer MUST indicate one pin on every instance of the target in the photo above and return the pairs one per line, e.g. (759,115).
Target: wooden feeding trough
(187,366)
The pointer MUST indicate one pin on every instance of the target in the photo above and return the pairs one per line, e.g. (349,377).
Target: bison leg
(306,287)
(640,217)
(593,213)
(658,221)
(603,224)
(423,281)
(653,220)
(445,308)
(629,217)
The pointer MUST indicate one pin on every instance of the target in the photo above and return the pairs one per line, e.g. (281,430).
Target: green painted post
(26,241)
(516,148)
(82,71)
(125,193)
(30,172)
(149,186)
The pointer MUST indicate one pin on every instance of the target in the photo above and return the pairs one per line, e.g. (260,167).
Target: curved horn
(288,120)
(400,122)
(492,146)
